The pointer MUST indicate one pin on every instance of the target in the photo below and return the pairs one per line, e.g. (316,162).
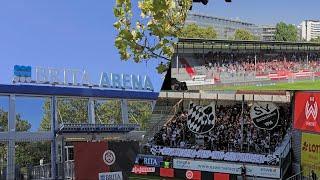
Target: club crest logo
(201,119)
(311,109)
(109,157)
(189,174)
(265,115)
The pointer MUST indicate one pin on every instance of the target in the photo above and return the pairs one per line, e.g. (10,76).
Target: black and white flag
(265,115)
(201,119)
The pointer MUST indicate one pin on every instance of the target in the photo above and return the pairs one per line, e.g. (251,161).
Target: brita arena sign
(74,77)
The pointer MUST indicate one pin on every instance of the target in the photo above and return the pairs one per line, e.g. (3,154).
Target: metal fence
(44,171)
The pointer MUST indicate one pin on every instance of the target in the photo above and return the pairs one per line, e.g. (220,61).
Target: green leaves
(316,40)
(286,32)
(153,34)
(242,34)
(195,31)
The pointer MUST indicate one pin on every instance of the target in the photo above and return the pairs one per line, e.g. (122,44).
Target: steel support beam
(53,134)
(91,114)
(124,111)
(11,143)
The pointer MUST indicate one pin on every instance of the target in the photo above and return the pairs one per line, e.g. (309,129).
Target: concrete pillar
(124,111)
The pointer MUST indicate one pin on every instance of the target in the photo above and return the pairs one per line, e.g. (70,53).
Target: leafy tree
(242,34)
(195,31)
(106,111)
(153,34)
(69,111)
(139,113)
(26,153)
(286,32)
(316,40)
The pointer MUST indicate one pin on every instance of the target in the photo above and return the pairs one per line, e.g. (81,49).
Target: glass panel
(139,112)
(72,110)
(4,108)
(108,111)
(32,114)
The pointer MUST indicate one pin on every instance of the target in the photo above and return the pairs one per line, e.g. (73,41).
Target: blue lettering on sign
(22,71)
(149,160)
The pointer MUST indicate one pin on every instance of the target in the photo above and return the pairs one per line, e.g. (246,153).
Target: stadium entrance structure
(237,138)
(59,133)
(227,64)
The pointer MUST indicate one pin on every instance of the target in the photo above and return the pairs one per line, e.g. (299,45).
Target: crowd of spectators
(260,63)
(226,134)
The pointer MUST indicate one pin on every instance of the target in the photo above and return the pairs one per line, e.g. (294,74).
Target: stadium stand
(204,62)
(220,67)
(226,136)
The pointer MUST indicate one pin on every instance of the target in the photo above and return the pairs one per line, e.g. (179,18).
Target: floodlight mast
(205,2)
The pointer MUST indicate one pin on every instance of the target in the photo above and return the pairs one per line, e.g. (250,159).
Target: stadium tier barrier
(221,71)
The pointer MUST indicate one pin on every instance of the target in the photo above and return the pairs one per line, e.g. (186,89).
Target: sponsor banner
(221,176)
(310,154)
(194,175)
(220,167)
(149,160)
(111,176)
(125,153)
(306,111)
(143,169)
(166,172)
(201,119)
(265,115)
(216,155)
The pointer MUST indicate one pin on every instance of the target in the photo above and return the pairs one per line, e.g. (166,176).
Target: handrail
(172,111)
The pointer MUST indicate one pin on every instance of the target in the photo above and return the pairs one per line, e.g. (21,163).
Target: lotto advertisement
(310,154)
(306,111)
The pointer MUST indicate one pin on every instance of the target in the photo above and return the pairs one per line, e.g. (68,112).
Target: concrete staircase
(164,111)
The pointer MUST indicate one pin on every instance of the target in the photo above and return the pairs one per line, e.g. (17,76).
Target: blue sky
(263,11)
(79,34)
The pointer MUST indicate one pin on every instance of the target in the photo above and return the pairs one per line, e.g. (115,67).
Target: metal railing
(70,128)
(44,171)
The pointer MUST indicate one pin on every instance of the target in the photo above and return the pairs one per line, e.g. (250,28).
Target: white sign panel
(111,176)
(220,167)
(215,155)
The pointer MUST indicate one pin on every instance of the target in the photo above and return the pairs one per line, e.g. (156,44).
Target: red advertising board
(306,111)
(137,169)
(89,160)
(194,175)
(166,172)
(221,176)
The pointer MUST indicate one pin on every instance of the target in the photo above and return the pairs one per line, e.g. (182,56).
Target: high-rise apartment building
(310,29)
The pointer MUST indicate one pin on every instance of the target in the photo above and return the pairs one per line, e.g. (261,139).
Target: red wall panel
(88,158)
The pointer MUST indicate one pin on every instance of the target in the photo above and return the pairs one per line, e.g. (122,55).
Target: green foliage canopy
(242,34)
(286,32)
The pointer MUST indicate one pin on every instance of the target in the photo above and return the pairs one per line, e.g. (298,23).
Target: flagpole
(242,122)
